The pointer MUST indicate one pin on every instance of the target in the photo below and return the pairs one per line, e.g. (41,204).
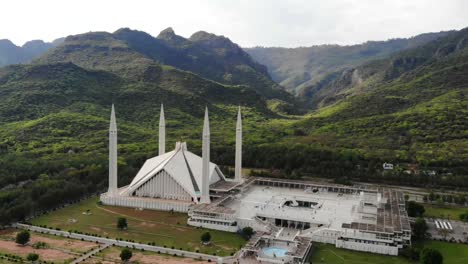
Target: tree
(464,217)
(420,228)
(126,254)
(206,237)
(431,256)
(23,237)
(431,196)
(462,199)
(247,231)
(32,257)
(122,223)
(415,209)
(411,253)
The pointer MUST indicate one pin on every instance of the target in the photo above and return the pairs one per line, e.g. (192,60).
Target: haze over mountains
(12,54)
(298,68)
(401,101)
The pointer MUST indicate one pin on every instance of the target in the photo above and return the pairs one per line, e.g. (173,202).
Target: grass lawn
(328,254)
(143,257)
(162,228)
(444,211)
(453,253)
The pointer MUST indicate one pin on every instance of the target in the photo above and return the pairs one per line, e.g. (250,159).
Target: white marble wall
(373,248)
(144,203)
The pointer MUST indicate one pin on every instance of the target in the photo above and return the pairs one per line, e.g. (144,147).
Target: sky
(287,23)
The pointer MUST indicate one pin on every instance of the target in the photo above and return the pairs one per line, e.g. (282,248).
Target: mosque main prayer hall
(286,215)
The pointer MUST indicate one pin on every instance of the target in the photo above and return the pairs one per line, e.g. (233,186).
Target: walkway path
(120,243)
(90,254)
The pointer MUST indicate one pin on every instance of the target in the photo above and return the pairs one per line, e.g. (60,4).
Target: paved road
(114,242)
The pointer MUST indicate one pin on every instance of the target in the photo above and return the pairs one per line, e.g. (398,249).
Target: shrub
(122,223)
(205,237)
(23,237)
(431,256)
(125,254)
(32,257)
(420,228)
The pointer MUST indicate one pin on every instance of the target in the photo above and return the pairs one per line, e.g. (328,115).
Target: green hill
(128,53)
(408,108)
(54,121)
(297,69)
(376,74)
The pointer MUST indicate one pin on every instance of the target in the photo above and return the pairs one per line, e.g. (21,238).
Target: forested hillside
(408,108)
(126,52)
(298,68)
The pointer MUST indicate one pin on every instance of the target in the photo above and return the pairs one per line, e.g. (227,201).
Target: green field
(444,211)
(147,226)
(328,254)
(112,253)
(453,253)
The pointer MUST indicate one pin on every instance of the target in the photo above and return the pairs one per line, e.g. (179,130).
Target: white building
(173,180)
(287,215)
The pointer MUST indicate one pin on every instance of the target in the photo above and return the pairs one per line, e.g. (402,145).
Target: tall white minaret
(162,132)
(205,190)
(112,154)
(238,166)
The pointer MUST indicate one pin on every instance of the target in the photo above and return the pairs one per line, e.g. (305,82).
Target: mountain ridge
(12,54)
(296,68)
(407,108)
(128,52)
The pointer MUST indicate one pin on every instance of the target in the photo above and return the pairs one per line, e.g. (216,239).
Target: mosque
(287,215)
(175,180)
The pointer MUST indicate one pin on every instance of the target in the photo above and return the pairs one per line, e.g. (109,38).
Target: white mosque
(172,180)
(287,215)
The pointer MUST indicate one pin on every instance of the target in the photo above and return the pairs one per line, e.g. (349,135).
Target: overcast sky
(287,23)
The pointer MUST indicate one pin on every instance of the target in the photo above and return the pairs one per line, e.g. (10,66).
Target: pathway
(91,253)
(132,245)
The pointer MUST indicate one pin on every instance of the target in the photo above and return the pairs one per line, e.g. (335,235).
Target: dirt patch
(96,229)
(69,244)
(6,231)
(45,254)
(146,224)
(150,259)
(59,243)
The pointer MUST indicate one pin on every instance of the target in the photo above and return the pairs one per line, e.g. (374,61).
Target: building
(387,166)
(171,181)
(372,220)
(287,215)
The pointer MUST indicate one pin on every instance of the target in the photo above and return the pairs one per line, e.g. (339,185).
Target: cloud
(255,22)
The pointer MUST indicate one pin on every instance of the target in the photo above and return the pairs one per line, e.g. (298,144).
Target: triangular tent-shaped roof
(182,165)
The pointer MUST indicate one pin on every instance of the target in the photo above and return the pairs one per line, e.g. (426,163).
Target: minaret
(205,190)
(238,165)
(112,154)
(162,132)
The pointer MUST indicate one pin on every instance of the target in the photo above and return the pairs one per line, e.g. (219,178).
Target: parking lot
(458,233)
